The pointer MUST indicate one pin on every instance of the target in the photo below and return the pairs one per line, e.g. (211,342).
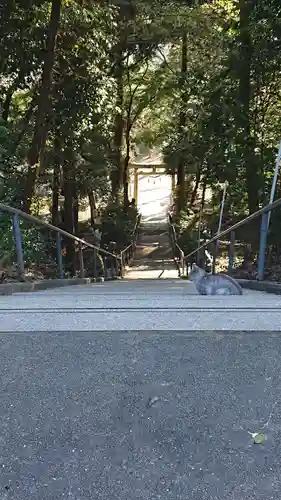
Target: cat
(213,284)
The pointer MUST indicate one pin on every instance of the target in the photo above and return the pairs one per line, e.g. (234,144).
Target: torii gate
(150,165)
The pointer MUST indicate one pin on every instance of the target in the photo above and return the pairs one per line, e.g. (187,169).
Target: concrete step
(142,305)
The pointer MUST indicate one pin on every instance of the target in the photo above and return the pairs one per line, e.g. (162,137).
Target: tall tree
(247,141)
(43,106)
(180,200)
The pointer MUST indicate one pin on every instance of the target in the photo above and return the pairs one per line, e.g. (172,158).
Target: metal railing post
(81,261)
(112,265)
(121,266)
(262,249)
(95,264)
(231,252)
(205,260)
(198,257)
(18,241)
(105,267)
(118,268)
(59,255)
(215,249)
(182,261)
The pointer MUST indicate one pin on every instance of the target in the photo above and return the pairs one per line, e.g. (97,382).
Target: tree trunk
(9,95)
(196,186)
(180,199)
(75,210)
(247,141)
(93,207)
(202,204)
(116,175)
(126,185)
(56,180)
(125,169)
(41,122)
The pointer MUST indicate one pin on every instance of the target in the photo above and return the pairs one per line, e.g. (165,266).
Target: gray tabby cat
(214,284)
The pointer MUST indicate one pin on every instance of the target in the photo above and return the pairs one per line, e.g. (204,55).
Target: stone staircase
(140,389)
(154,256)
(138,305)
(150,298)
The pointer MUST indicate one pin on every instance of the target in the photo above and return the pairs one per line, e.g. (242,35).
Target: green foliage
(7,246)
(187,229)
(117,70)
(118,226)
(37,245)
(213,142)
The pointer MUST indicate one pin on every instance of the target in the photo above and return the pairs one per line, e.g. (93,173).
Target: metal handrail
(42,223)
(125,250)
(181,252)
(265,213)
(265,210)
(133,234)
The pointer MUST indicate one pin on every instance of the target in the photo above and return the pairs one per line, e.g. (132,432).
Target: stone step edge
(34,286)
(261,286)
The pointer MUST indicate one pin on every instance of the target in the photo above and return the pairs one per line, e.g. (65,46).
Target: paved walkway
(140,390)
(134,415)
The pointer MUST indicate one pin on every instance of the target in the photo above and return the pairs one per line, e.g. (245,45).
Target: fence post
(118,268)
(205,260)
(121,266)
(231,252)
(112,265)
(262,249)
(182,263)
(95,264)
(105,267)
(59,255)
(81,261)
(215,251)
(198,256)
(18,241)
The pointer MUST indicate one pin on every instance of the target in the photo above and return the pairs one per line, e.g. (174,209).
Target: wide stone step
(138,320)
(138,306)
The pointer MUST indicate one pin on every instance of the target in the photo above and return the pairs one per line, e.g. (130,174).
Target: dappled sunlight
(154,197)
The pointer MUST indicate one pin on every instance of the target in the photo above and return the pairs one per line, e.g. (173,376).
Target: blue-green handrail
(264,213)
(116,267)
